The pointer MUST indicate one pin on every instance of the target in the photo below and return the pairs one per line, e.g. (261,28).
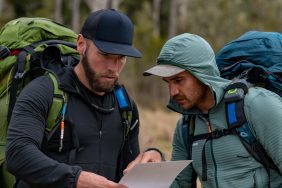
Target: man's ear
(81,44)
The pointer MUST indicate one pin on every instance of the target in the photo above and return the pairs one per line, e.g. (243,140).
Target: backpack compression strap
(19,74)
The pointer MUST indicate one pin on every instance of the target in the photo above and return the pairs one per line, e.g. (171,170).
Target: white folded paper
(154,175)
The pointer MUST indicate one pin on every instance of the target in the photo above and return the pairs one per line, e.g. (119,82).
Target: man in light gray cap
(187,64)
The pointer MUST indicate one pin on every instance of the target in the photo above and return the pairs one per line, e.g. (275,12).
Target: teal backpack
(31,47)
(253,59)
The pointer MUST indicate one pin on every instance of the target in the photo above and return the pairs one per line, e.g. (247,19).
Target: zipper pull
(209,127)
(100,134)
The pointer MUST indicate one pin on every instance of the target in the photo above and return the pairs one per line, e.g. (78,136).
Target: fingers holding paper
(151,155)
(88,179)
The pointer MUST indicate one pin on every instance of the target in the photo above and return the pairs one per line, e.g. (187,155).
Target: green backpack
(31,47)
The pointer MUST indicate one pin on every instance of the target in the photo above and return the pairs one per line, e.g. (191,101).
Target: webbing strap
(188,128)
(209,136)
(185,132)
(19,74)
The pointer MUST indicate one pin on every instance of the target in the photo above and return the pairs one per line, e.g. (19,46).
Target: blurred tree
(183,14)
(173,18)
(26,7)
(75,15)
(58,11)
(1,7)
(218,21)
(156,17)
(114,4)
(96,4)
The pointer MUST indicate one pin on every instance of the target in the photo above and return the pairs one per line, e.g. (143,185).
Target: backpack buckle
(19,75)
(219,133)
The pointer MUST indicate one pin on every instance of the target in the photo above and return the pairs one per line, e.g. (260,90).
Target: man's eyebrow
(174,78)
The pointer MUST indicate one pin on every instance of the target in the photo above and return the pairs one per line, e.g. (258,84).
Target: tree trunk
(58,11)
(75,15)
(114,4)
(183,15)
(96,4)
(173,16)
(156,17)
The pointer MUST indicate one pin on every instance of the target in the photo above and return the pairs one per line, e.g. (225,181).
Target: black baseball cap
(111,31)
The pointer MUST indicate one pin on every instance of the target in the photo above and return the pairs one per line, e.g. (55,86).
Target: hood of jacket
(194,54)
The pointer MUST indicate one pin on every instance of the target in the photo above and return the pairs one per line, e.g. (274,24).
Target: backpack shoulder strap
(125,108)
(236,119)
(188,128)
(58,109)
(184,130)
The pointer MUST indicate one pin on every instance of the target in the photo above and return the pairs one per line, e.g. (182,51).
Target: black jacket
(93,140)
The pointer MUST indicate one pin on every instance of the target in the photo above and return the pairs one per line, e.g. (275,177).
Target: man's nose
(173,90)
(113,64)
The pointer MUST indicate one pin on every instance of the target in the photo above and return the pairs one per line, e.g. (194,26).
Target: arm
(26,131)
(179,152)
(25,135)
(264,113)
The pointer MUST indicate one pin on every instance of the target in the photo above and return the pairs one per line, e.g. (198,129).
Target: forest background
(218,21)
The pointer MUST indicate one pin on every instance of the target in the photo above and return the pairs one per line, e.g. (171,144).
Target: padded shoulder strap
(59,101)
(234,100)
(236,119)
(125,108)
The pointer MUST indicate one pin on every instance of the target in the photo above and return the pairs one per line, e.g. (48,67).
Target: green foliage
(218,21)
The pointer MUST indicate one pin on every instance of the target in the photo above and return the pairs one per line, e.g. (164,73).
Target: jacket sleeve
(264,113)
(25,135)
(179,152)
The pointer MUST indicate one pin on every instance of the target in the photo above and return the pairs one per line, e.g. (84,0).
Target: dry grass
(157,128)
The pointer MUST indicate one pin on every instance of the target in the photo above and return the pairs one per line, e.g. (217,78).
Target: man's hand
(88,179)
(148,156)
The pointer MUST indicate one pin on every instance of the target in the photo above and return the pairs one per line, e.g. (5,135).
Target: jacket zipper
(100,140)
(212,153)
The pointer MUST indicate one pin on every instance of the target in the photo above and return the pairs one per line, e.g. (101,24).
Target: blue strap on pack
(122,98)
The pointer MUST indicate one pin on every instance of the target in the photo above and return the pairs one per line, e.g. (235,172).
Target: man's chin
(105,88)
(185,106)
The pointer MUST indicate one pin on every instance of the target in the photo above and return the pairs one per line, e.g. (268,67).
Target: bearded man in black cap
(96,146)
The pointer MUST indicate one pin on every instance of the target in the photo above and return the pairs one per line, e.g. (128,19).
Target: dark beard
(93,78)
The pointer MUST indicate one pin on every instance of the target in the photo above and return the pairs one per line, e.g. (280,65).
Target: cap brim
(117,48)
(163,70)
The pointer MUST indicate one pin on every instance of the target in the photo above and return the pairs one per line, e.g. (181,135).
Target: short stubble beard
(93,78)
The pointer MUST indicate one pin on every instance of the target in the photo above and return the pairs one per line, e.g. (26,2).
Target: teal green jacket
(229,164)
